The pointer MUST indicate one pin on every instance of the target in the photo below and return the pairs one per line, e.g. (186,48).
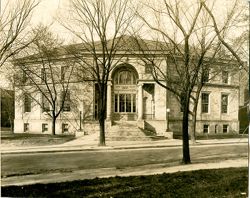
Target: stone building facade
(133,97)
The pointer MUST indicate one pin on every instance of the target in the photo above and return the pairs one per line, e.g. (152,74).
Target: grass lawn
(213,136)
(25,139)
(230,182)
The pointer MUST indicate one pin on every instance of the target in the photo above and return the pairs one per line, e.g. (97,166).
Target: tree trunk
(53,125)
(185,139)
(102,132)
(193,132)
(102,113)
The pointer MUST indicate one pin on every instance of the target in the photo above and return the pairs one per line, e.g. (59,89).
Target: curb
(107,148)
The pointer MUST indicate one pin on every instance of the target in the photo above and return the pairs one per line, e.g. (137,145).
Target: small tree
(43,74)
(100,25)
(14,18)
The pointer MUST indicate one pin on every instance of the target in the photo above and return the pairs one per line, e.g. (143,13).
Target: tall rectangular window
(63,73)
(24,77)
(204,102)
(134,103)
(45,104)
(206,75)
(45,74)
(224,103)
(225,77)
(225,128)
(122,103)
(148,68)
(125,103)
(116,102)
(27,103)
(128,103)
(66,98)
(205,128)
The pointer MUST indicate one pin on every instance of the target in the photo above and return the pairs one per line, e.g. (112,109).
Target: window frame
(206,76)
(65,127)
(206,128)
(118,76)
(45,101)
(27,103)
(148,68)
(225,126)
(205,103)
(67,102)
(225,77)
(45,127)
(131,104)
(26,127)
(224,107)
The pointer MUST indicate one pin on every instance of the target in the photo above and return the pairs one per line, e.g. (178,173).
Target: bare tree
(188,47)
(14,18)
(100,25)
(44,78)
(236,12)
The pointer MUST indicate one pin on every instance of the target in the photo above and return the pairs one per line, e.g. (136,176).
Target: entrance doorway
(125,93)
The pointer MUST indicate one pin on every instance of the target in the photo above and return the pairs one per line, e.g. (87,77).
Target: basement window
(26,127)
(205,128)
(65,128)
(225,128)
(44,127)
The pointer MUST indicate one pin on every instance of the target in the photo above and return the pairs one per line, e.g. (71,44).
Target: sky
(48,11)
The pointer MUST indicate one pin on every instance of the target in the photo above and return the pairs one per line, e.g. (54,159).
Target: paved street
(55,162)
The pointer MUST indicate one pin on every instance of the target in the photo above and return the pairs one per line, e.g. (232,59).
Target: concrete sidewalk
(90,142)
(151,169)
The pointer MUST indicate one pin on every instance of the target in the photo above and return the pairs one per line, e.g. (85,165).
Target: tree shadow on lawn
(230,182)
(26,139)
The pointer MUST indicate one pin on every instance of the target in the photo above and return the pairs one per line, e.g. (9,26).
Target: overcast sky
(48,10)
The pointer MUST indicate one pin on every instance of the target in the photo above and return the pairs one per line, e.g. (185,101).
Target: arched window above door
(125,77)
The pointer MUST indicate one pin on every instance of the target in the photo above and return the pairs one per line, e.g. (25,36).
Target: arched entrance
(124,95)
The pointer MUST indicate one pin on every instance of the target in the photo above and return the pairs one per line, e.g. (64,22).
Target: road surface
(38,163)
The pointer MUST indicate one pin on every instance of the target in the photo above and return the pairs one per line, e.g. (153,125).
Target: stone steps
(128,131)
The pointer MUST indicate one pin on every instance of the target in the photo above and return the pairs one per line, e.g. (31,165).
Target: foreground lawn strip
(230,182)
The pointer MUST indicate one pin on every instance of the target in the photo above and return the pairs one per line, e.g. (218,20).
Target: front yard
(9,139)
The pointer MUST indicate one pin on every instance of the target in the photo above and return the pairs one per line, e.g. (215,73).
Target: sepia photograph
(123,98)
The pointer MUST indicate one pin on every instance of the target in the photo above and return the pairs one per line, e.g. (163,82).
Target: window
(26,127)
(65,128)
(66,98)
(44,127)
(45,104)
(125,77)
(205,128)
(225,128)
(43,74)
(224,103)
(225,77)
(215,128)
(206,76)
(25,78)
(27,103)
(148,68)
(63,73)
(204,102)
(125,103)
